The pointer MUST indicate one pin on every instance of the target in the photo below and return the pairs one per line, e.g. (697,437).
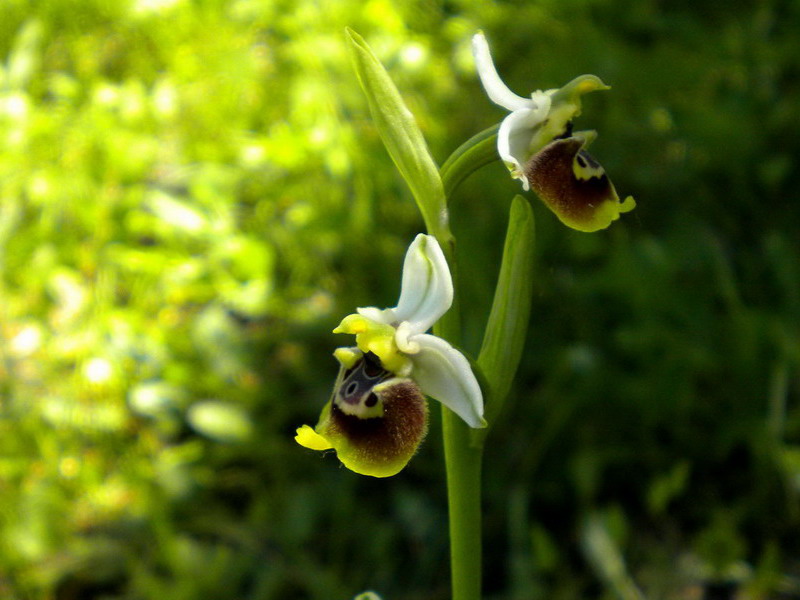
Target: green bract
(507,326)
(401,136)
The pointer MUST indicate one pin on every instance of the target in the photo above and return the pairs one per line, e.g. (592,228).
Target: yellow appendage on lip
(309,438)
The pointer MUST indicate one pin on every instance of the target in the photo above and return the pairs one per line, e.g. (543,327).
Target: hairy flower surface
(537,144)
(377,415)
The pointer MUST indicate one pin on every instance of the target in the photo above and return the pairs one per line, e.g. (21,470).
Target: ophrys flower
(539,147)
(377,415)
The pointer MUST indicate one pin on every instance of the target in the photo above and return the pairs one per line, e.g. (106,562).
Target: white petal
(497,91)
(402,338)
(427,289)
(443,373)
(514,138)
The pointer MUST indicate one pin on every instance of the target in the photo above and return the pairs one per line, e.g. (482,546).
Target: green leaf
(504,337)
(476,152)
(401,136)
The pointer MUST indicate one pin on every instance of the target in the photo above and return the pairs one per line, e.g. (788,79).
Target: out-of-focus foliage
(192,194)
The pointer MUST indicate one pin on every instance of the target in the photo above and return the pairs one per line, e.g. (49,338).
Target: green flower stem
(463,463)
(409,151)
(499,357)
(463,467)
(432,188)
(476,152)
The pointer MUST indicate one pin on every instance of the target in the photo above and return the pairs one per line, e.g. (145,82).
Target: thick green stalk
(463,463)
(463,466)
(476,152)
(463,450)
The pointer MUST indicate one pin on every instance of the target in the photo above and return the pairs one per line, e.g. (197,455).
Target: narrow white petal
(427,289)
(497,91)
(443,373)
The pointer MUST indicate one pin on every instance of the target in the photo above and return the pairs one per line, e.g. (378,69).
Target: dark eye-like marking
(371,400)
(351,389)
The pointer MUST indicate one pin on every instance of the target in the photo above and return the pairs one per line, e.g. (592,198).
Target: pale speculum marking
(355,395)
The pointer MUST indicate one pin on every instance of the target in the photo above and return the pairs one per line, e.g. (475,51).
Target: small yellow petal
(582,84)
(311,439)
(347,357)
(353,324)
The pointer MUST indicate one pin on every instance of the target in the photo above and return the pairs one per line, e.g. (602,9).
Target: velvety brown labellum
(551,173)
(395,434)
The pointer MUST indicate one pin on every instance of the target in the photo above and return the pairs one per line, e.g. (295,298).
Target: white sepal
(514,137)
(426,291)
(445,374)
(497,91)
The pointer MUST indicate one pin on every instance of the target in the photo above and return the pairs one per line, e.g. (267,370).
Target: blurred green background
(192,195)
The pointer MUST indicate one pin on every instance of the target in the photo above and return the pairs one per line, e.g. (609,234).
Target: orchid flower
(537,144)
(377,415)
